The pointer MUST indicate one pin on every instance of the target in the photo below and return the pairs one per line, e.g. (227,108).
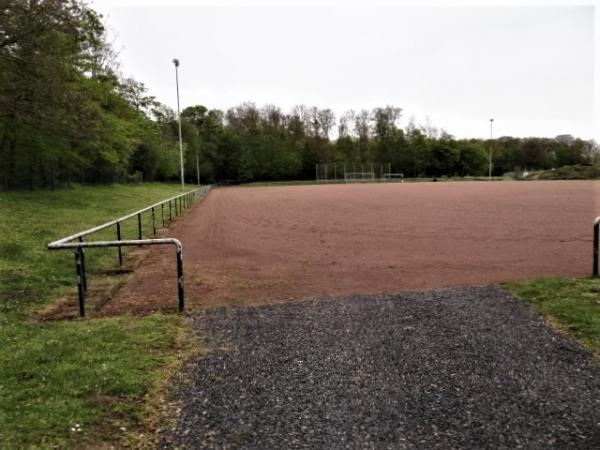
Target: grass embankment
(575,172)
(82,381)
(571,305)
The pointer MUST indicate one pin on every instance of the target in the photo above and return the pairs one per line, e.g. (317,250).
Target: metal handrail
(120,219)
(186,199)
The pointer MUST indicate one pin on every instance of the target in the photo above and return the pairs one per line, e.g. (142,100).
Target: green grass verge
(83,381)
(572,305)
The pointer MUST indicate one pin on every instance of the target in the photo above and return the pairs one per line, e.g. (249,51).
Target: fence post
(118,239)
(83,274)
(170,215)
(179,251)
(162,214)
(596,243)
(80,291)
(153,223)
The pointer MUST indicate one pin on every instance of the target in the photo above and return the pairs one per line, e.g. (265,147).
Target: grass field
(83,380)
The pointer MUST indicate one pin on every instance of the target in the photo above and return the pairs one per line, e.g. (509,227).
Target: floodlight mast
(176,62)
(490,151)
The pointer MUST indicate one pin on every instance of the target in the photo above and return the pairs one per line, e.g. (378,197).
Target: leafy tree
(67,116)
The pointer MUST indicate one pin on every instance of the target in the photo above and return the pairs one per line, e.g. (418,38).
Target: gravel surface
(455,368)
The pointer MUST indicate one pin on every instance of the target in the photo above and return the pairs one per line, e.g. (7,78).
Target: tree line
(66,115)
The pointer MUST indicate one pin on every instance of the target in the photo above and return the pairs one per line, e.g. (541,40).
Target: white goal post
(351,173)
(355,177)
(392,176)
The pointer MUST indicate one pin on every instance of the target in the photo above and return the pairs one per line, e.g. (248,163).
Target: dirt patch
(252,245)
(102,287)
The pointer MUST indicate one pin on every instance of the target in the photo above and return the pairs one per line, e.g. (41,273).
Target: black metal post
(118,239)
(80,290)
(170,216)
(180,278)
(596,243)
(153,223)
(83,274)
(162,214)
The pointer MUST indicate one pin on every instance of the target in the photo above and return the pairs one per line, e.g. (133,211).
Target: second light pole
(176,62)
(490,161)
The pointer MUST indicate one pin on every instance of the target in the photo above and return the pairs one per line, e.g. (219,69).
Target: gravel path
(455,368)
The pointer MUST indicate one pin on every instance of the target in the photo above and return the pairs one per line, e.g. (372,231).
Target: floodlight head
(491,120)
(176,62)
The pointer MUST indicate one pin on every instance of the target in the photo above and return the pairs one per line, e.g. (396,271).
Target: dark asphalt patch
(456,368)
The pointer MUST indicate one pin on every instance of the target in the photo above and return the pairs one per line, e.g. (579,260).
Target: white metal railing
(175,207)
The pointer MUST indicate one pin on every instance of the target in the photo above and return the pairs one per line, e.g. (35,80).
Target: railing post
(118,239)
(153,223)
(162,214)
(80,290)
(179,251)
(596,243)
(170,216)
(139,216)
(83,274)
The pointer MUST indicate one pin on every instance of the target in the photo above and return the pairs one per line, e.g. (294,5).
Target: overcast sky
(531,67)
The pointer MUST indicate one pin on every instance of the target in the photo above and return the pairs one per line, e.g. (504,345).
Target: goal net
(352,173)
(356,177)
(393,177)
